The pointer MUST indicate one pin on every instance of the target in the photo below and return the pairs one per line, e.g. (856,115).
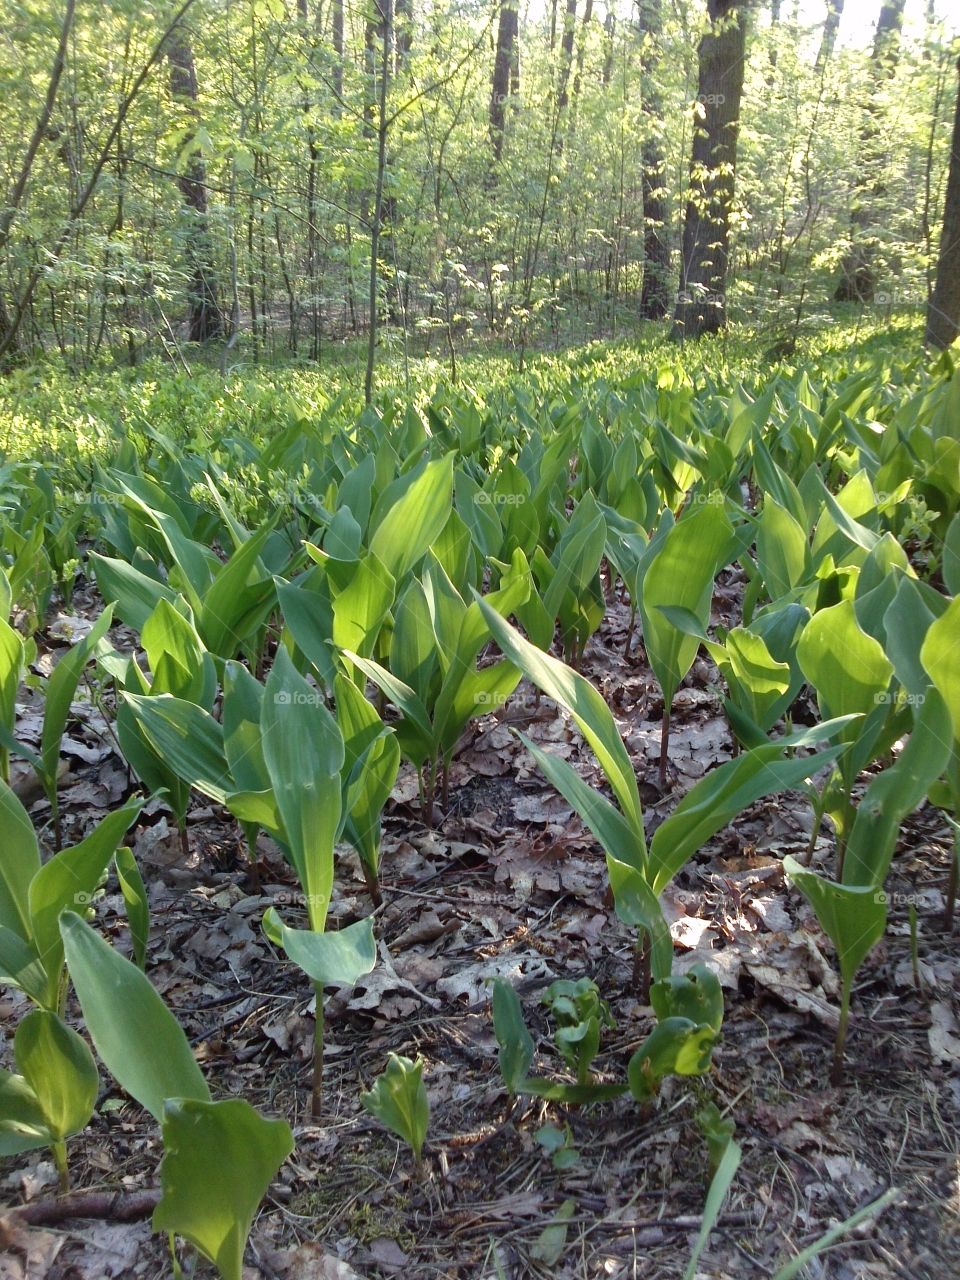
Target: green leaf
(61,687)
(577,696)
(413,523)
(135,594)
(23,1126)
(681,574)
(783,550)
(940,656)
(848,668)
(719,1187)
(57,1065)
(695,995)
(337,958)
(398,1100)
(719,797)
(676,1046)
(135,902)
(852,916)
(19,864)
(138,1039)
(550,1243)
(636,904)
(219,1159)
(68,881)
(186,738)
(516,1044)
(303,751)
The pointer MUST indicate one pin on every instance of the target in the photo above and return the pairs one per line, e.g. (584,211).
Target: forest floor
(509,883)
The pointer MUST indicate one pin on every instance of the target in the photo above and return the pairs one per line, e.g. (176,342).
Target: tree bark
(858,280)
(503,73)
(655,292)
(206,320)
(829,37)
(701,303)
(943,312)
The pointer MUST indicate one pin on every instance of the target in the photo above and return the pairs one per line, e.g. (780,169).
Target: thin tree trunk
(500,85)
(829,37)
(386,30)
(858,281)
(655,292)
(701,305)
(943,312)
(206,320)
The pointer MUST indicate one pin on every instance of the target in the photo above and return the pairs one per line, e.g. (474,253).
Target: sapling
(399,1100)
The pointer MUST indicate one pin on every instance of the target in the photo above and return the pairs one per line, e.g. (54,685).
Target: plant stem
(59,1150)
(914,947)
(316,1096)
(373,884)
(641,966)
(952,884)
(836,1071)
(664,744)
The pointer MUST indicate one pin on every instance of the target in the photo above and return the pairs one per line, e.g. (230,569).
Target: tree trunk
(701,304)
(829,37)
(858,281)
(206,320)
(503,66)
(943,312)
(655,292)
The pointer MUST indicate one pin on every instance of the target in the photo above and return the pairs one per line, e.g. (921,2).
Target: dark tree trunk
(943,312)
(566,54)
(858,282)
(829,37)
(701,303)
(503,71)
(403,33)
(655,293)
(206,320)
(337,17)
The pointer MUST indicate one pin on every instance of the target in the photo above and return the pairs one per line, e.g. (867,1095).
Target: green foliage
(398,1099)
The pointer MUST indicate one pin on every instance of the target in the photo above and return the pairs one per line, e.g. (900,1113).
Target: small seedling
(579,1014)
(398,1100)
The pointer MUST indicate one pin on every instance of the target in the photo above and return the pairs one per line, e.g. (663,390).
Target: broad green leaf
(516,1044)
(337,958)
(57,1065)
(414,522)
(19,864)
(637,905)
(23,1126)
(676,1046)
(783,550)
(303,751)
(719,797)
(68,881)
(186,738)
(138,1039)
(219,1159)
(894,794)
(134,593)
(848,668)
(681,574)
(940,656)
(398,1100)
(696,995)
(852,916)
(906,623)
